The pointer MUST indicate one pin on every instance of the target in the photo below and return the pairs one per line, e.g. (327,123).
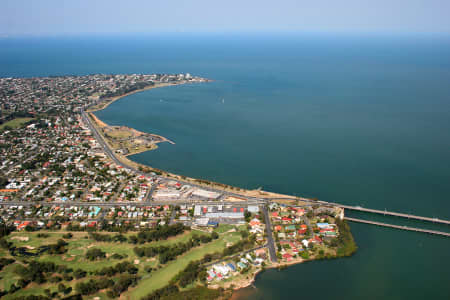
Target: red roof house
(287,256)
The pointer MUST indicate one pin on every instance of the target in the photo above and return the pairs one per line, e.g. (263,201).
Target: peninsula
(78,219)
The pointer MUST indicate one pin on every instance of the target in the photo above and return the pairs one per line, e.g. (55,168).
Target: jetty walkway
(388,213)
(398,226)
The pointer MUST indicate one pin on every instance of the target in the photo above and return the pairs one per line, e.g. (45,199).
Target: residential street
(270,242)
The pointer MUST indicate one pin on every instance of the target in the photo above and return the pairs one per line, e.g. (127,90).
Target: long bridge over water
(390,213)
(398,226)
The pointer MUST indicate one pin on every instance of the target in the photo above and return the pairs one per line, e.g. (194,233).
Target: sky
(65,17)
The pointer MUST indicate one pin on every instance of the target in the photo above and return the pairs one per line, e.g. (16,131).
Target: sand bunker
(21,238)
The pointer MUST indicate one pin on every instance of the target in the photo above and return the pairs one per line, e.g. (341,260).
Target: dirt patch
(21,238)
(136,261)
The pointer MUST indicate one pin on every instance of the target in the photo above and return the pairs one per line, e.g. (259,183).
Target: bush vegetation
(168,253)
(345,243)
(95,253)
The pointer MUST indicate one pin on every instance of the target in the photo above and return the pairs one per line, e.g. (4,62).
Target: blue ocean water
(358,120)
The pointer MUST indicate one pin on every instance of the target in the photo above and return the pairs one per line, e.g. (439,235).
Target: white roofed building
(205,194)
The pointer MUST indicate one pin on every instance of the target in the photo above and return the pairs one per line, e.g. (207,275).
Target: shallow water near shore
(361,121)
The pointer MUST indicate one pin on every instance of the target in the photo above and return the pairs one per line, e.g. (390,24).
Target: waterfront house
(231,266)
(287,256)
(241,265)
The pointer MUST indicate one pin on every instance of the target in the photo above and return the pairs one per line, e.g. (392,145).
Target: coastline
(241,283)
(136,132)
(115,98)
(245,283)
(210,184)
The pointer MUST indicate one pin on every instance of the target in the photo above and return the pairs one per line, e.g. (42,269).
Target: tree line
(143,236)
(159,233)
(118,268)
(194,271)
(115,288)
(168,253)
(345,243)
(42,272)
(240,246)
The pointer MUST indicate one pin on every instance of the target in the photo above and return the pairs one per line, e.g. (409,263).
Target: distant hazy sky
(59,17)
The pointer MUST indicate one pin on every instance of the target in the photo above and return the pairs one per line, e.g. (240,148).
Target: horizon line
(229,32)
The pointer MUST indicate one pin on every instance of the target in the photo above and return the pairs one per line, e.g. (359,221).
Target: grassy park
(15,123)
(80,243)
(162,276)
